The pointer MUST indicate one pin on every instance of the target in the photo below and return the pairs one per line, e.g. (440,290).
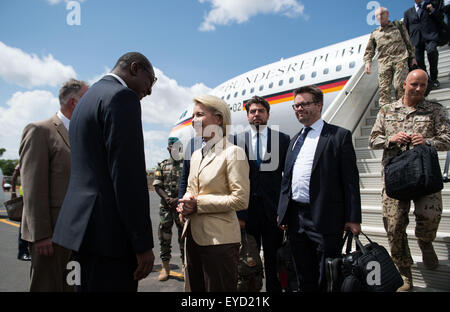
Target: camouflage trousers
(250,267)
(427,211)
(388,73)
(167,219)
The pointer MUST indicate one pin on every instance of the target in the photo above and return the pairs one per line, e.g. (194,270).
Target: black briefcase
(369,268)
(413,173)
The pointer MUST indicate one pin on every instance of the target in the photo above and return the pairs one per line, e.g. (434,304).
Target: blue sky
(194,44)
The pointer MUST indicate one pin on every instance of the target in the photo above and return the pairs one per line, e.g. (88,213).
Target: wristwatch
(428,142)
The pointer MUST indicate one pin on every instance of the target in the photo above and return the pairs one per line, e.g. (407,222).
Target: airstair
(356,109)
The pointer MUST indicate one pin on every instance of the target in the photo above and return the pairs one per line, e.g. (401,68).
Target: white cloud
(155,145)
(168,100)
(29,71)
(225,12)
(98,77)
(23,108)
(160,111)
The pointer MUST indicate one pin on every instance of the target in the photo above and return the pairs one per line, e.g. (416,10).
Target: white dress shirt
(262,140)
(118,78)
(301,174)
(64,119)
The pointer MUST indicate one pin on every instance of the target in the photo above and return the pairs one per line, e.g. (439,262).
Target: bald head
(415,87)
(382,16)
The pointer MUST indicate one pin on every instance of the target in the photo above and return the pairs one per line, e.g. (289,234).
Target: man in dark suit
(320,194)
(266,151)
(422,22)
(105,217)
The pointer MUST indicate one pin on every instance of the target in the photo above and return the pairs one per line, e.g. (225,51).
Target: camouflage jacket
(167,176)
(428,118)
(390,44)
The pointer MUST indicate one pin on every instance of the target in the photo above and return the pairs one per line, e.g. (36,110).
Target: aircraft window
(236,94)
(280,83)
(313,74)
(352,64)
(261,87)
(252,90)
(325,71)
(223,97)
(291,80)
(302,77)
(338,68)
(271,85)
(228,97)
(243,92)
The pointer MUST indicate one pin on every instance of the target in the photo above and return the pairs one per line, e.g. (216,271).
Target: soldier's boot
(406,274)
(165,271)
(429,257)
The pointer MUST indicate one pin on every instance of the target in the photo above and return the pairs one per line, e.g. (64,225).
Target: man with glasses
(395,54)
(320,195)
(105,217)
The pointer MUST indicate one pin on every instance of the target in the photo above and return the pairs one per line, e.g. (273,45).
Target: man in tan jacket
(45,170)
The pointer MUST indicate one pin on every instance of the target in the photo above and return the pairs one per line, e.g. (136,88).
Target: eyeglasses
(154,79)
(303,105)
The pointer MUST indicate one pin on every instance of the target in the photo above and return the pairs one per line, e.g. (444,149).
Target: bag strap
(399,26)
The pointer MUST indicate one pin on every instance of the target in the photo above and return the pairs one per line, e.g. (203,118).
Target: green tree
(2,150)
(8,165)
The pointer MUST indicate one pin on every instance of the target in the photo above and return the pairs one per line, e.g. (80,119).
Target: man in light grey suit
(45,170)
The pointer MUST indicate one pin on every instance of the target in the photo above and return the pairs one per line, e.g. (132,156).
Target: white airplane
(329,68)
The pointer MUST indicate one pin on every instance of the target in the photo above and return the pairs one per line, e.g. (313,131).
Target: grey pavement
(15,274)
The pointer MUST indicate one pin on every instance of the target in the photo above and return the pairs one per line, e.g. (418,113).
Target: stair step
(373,181)
(372,213)
(438,279)
(374,165)
(441,243)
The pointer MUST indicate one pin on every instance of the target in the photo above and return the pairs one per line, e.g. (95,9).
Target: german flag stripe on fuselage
(285,96)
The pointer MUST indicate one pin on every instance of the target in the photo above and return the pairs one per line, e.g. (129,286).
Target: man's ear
(134,68)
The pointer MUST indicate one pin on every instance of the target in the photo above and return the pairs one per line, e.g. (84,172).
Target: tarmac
(15,274)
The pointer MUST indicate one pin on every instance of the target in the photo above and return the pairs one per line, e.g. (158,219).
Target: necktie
(258,147)
(298,146)
(419,11)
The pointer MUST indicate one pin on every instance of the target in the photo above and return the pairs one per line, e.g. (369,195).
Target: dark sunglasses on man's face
(154,79)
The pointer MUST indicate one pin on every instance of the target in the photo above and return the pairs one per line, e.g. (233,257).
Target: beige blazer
(220,182)
(45,172)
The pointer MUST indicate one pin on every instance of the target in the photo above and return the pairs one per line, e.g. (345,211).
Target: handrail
(348,108)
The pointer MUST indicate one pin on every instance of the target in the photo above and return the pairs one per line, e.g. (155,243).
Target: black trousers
(310,249)
(269,235)
(106,274)
(433,57)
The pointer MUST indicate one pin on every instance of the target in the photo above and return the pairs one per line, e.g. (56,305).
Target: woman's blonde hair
(218,108)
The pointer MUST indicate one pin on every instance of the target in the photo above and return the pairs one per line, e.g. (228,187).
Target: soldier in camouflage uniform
(395,50)
(167,178)
(411,121)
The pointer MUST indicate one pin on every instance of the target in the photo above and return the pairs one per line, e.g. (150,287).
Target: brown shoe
(165,272)
(429,257)
(407,279)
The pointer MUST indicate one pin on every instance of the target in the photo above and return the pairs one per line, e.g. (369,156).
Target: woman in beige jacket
(218,186)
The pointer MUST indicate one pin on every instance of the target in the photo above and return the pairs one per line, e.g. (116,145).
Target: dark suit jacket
(423,28)
(264,184)
(106,209)
(334,185)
